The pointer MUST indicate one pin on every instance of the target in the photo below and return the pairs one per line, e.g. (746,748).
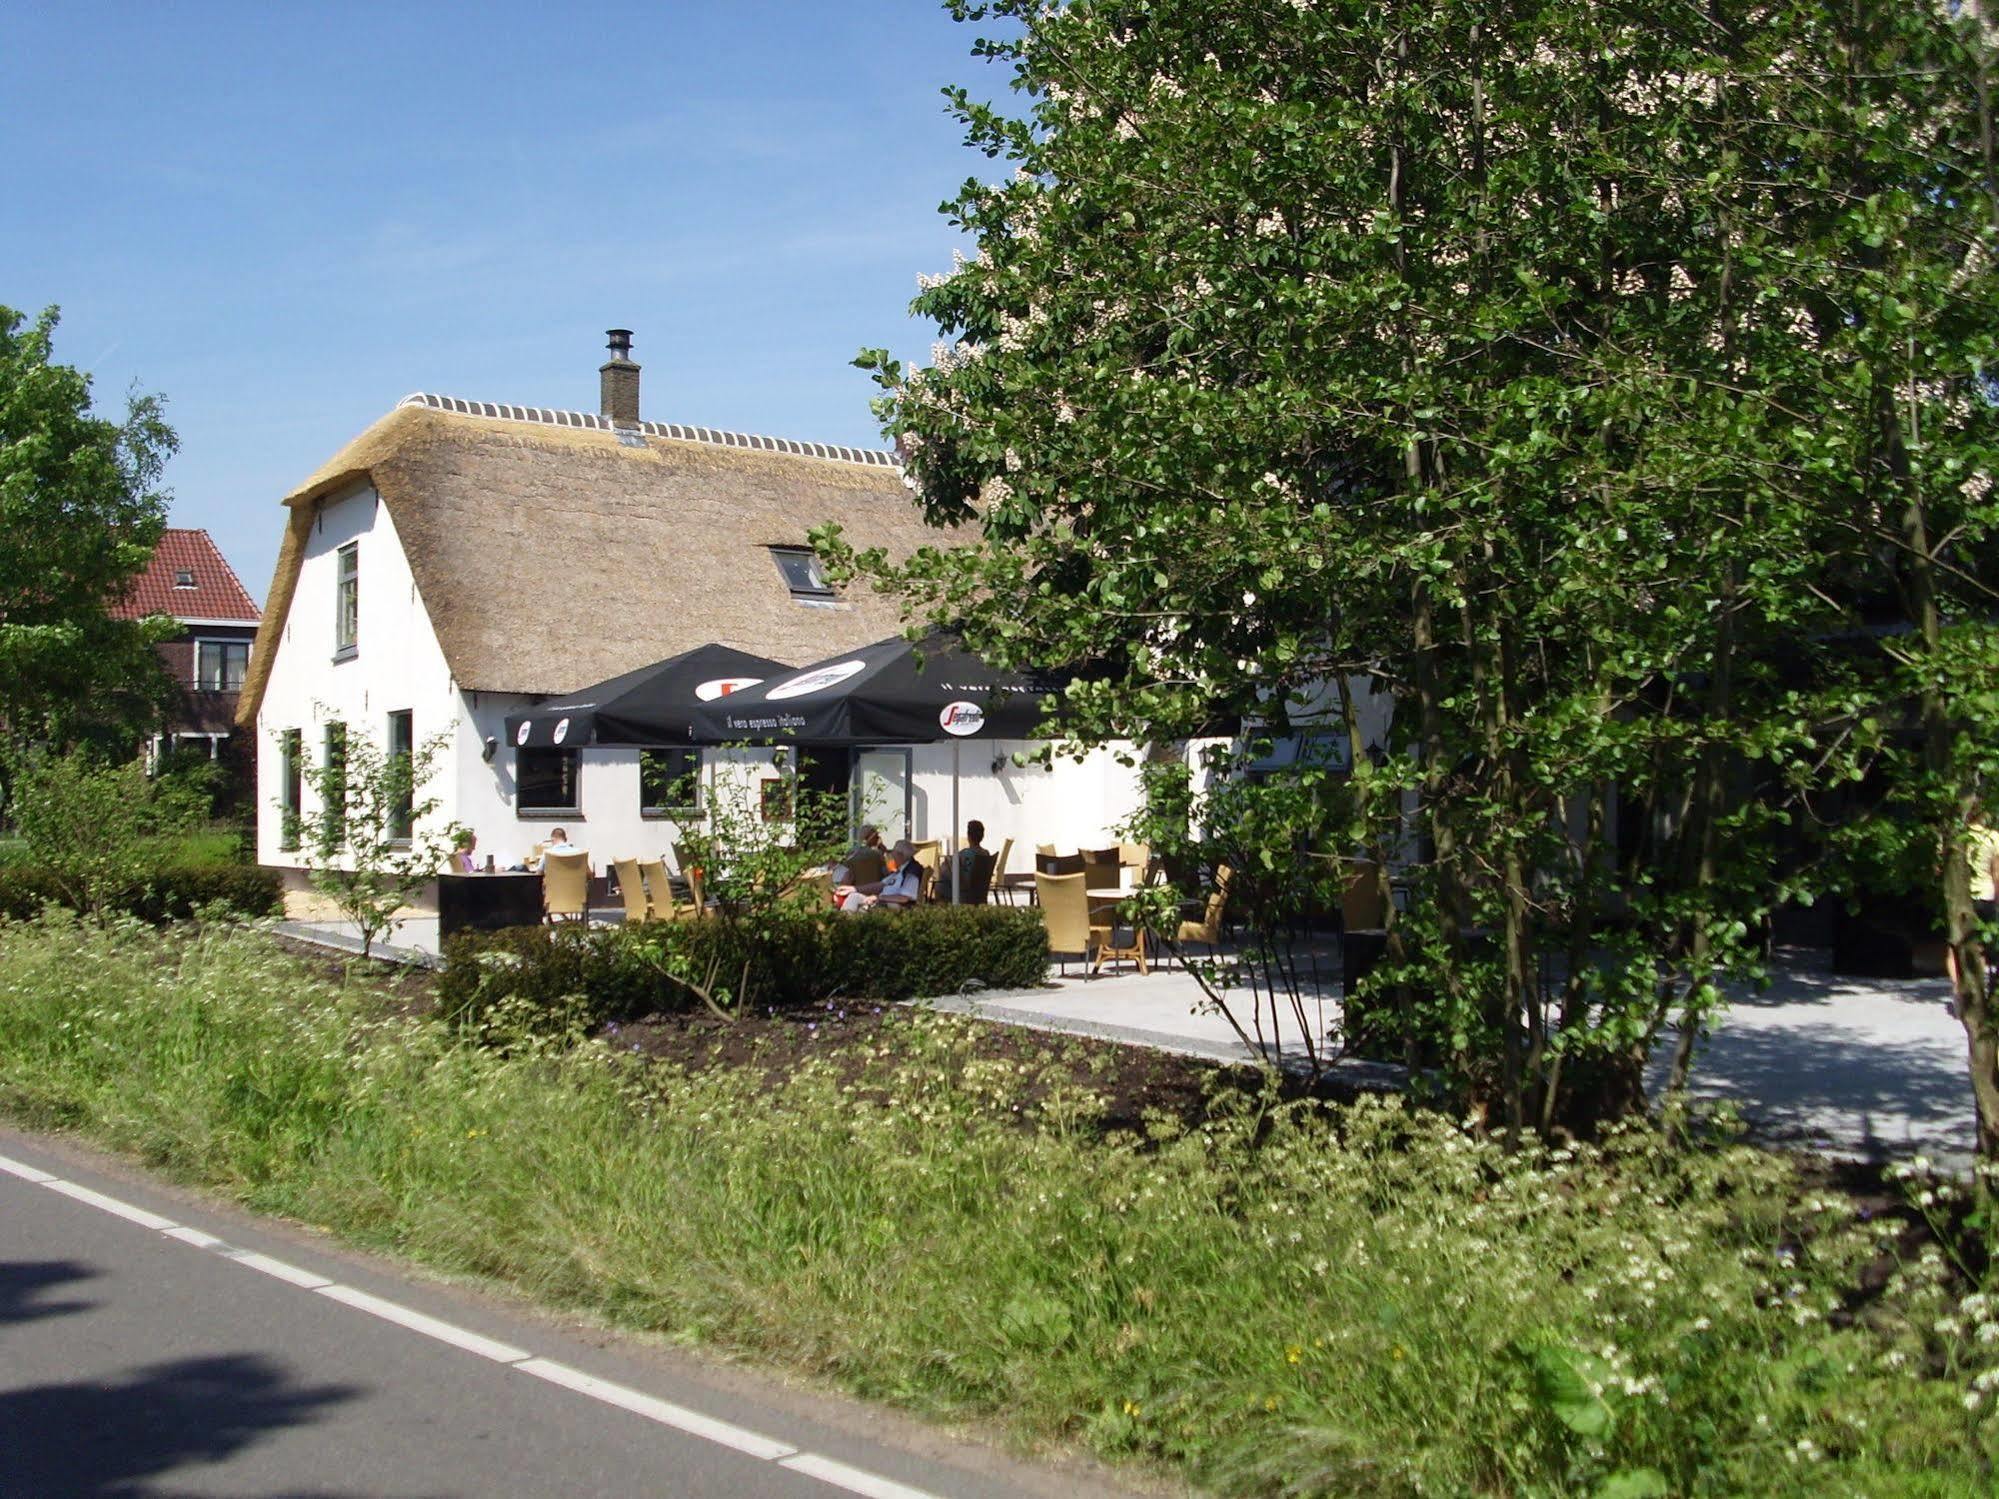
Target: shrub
(170,894)
(790,958)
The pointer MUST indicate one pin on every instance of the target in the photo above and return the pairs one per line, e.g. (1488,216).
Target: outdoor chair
(1065,911)
(632,890)
(1116,940)
(659,892)
(565,887)
(1361,907)
(1135,855)
(996,887)
(1103,869)
(1058,863)
(930,854)
(1044,850)
(1209,928)
(975,866)
(866,868)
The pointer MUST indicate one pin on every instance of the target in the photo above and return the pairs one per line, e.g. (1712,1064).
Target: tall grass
(1282,1299)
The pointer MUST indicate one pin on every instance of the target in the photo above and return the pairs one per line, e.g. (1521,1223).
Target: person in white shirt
(902,886)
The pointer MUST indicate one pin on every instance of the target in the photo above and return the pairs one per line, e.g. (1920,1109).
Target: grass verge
(1283,1298)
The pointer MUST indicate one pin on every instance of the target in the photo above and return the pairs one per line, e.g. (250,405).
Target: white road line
(290,1274)
(23,1170)
(653,1409)
(111,1205)
(430,1327)
(195,1237)
(693,1423)
(854,1480)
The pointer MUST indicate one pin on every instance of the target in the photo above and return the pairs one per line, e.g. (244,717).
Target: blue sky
(286,217)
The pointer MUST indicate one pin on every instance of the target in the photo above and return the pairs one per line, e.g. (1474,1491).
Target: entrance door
(881,791)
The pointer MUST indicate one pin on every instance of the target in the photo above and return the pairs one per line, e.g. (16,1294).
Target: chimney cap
(620,342)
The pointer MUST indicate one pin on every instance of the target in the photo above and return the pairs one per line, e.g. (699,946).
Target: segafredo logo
(521,734)
(816,681)
(561,731)
(962,718)
(723,686)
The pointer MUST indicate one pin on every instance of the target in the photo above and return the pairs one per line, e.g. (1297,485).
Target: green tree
(1513,359)
(80,515)
(377,841)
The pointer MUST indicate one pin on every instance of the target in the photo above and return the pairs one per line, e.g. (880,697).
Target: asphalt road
(146,1350)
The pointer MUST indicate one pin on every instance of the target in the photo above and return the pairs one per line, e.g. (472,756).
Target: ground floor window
(545,780)
(402,747)
(669,781)
(291,784)
(333,787)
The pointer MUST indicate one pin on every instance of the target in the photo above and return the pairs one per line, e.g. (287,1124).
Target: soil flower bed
(1163,1264)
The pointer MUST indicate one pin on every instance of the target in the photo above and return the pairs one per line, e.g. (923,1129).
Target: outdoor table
(487,902)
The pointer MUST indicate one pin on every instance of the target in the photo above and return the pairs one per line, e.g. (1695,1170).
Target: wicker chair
(930,854)
(996,888)
(659,892)
(565,887)
(1065,910)
(1209,928)
(632,889)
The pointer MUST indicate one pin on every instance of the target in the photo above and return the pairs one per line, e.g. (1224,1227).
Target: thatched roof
(551,551)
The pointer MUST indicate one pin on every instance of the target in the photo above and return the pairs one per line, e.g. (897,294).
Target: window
(402,791)
(291,781)
(183,577)
(347,600)
(545,780)
(802,573)
(669,781)
(219,665)
(333,787)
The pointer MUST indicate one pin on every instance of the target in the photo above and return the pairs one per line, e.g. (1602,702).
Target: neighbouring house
(461,560)
(190,580)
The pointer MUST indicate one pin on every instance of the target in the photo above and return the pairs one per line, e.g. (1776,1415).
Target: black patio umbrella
(653,705)
(892,692)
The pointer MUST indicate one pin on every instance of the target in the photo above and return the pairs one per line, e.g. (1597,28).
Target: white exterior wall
(397,663)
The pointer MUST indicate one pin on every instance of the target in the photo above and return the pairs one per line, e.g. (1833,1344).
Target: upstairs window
(347,599)
(183,577)
(802,573)
(219,665)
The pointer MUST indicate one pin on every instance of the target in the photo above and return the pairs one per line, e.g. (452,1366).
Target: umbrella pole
(956,894)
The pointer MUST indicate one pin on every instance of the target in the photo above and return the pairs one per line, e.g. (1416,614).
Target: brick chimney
(618,381)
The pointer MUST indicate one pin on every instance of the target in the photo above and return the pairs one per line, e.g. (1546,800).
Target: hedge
(172,894)
(795,959)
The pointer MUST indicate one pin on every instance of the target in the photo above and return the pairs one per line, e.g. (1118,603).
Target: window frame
(347,601)
(674,811)
(815,589)
(549,811)
(402,816)
(223,643)
(333,785)
(291,789)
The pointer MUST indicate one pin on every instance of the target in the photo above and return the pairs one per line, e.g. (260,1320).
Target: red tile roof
(217,593)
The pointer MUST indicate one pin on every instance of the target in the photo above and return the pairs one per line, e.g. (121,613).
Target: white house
(459,561)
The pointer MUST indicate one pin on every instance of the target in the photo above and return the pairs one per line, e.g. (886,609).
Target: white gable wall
(397,663)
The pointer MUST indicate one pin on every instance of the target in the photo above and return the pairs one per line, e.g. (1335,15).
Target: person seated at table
(971,873)
(901,886)
(558,843)
(463,858)
(867,843)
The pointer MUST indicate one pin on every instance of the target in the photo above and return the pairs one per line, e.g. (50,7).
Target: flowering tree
(1529,362)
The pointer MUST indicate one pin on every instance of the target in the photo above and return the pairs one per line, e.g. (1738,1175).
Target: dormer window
(183,577)
(802,573)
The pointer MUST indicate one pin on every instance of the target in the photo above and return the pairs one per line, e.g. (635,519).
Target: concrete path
(1861,1067)
(152,1344)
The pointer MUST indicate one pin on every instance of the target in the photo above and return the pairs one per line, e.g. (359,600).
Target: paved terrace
(1862,1067)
